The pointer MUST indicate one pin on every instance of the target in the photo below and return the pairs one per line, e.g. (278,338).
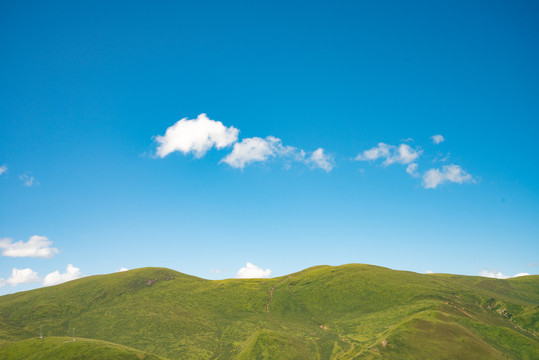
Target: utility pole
(41,331)
(73,334)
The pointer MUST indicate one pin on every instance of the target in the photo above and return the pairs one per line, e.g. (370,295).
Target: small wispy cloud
(122,269)
(429,272)
(390,154)
(56,277)
(449,173)
(412,170)
(3,169)
(252,271)
(28,180)
(195,136)
(436,139)
(319,159)
(36,247)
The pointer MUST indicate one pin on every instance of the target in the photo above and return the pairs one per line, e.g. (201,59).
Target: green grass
(345,312)
(61,348)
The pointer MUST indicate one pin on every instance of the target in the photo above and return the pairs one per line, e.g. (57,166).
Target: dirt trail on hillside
(271,293)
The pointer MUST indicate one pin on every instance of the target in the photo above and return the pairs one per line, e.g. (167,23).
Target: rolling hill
(346,312)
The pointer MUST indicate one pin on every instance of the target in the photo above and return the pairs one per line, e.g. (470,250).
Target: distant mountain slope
(345,312)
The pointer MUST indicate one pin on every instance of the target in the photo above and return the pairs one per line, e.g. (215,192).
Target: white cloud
(195,136)
(28,180)
(436,139)
(412,169)
(3,169)
(380,151)
(449,173)
(22,276)
(498,275)
(320,160)
(493,274)
(402,154)
(429,272)
(255,149)
(2,282)
(36,246)
(215,271)
(55,277)
(252,271)
(405,154)
(122,269)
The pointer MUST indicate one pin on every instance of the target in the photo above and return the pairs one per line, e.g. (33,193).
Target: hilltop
(346,312)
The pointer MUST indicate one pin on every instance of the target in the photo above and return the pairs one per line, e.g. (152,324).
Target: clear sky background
(89,89)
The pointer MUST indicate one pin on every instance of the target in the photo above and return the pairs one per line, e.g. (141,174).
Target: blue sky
(316,147)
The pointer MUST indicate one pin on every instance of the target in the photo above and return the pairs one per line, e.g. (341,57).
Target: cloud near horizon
(36,247)
(250,271)
(22,276)
(498,275)
(56,277)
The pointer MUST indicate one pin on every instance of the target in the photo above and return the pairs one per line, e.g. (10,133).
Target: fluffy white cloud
(497,274)
(195,136)
(449,173)
(436,139)
(3,169)
(22,276)
(254,149)
(36,246)
(55,277)
(429,272)
(402,154)
(122,269)
(28,180)
(252,271)
(319,159)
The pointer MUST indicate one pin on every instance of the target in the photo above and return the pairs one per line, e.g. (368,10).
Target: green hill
(346,312)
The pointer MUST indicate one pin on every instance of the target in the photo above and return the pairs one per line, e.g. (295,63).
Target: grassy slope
(60,348)
(350,311)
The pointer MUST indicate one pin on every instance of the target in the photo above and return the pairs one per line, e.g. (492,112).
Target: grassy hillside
(60,348)
(345,312)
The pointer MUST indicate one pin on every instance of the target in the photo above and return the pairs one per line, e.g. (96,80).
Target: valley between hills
(351,311)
